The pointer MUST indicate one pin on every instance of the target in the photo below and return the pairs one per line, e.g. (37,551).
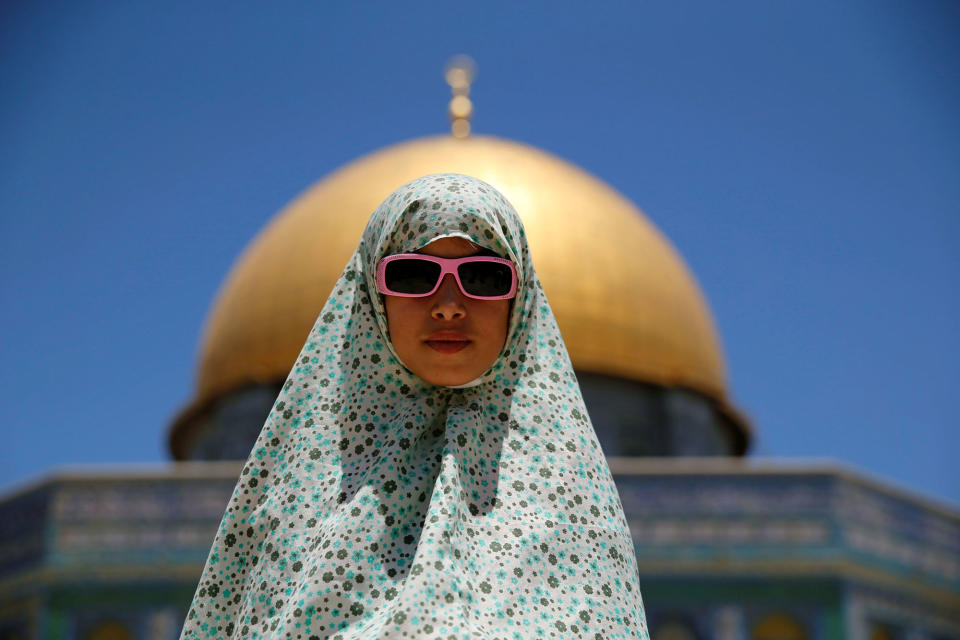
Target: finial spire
(460,72)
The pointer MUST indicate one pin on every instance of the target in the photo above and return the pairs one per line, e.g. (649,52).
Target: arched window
(108,630)
(674,630)
(880,631)
(778,626)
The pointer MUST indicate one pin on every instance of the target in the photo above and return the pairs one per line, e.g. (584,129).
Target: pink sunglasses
(414,275)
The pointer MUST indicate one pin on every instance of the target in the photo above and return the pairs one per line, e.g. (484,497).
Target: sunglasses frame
(447,265)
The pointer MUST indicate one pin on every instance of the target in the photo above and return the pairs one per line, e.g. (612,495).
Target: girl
(429,469)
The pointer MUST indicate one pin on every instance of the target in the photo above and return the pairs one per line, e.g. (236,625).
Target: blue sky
(804,157)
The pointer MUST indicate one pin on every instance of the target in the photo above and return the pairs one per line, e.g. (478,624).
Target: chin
(446,370)
(449,377)
(449,380)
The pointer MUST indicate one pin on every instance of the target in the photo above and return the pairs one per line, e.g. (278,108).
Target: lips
(447,341)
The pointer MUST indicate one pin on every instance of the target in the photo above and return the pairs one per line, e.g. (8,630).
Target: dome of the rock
(627,305)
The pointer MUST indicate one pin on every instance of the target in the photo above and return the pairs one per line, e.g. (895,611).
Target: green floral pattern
(375,505)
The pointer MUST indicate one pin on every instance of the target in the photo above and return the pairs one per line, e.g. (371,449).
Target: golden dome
(625,301)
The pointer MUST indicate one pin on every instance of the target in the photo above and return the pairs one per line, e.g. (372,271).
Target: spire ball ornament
(459,73)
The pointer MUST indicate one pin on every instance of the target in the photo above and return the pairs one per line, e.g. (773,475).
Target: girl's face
(447,338)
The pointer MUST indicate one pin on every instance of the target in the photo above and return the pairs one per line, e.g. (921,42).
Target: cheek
(504,321)
(495,319)
(399,318)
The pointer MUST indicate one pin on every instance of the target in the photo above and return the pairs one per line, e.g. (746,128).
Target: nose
(448,301)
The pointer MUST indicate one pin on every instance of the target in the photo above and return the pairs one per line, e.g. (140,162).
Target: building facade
(727,550)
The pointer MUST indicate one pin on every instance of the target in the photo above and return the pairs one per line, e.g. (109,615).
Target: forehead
(452,247)
(441,206)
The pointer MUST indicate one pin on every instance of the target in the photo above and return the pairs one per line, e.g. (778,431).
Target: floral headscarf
(376,505)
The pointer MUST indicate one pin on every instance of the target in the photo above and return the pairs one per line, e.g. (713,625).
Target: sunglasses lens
(411,276)
(485,279)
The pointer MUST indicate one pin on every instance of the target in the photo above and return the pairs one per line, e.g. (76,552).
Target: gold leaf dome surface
(625,301)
